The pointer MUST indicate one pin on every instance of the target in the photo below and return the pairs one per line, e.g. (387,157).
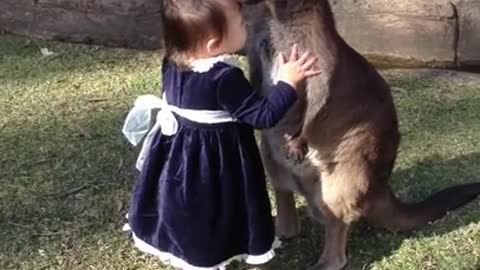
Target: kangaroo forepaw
(296,150)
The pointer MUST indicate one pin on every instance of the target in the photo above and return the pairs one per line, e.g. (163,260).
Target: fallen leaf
(97,99)
(70,192)
(118,206)
(83,132)
(46,52)
(119,167)
(399,90)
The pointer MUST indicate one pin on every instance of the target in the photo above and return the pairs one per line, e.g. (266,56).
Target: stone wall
(388,32)
(412,32)
(124,23)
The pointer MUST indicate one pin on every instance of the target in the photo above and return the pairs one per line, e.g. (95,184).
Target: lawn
(66,170)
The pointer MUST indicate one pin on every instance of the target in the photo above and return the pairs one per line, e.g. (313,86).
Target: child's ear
(212,45)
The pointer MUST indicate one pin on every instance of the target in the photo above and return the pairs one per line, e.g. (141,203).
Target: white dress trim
(205,64)
(168,258)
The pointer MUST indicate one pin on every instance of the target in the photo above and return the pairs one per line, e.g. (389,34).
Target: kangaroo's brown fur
(348,118)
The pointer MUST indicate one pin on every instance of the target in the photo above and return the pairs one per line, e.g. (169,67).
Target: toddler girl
(201,199)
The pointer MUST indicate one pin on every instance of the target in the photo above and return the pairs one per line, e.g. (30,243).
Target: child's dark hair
(187,23)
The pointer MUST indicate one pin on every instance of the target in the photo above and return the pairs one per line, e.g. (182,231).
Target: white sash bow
(138,121)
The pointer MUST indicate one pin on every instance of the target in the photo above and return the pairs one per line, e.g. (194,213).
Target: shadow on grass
(44,208)
(368,244)
(64,186)
(74,185)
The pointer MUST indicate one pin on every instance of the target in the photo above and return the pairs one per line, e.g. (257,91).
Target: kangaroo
(348,119)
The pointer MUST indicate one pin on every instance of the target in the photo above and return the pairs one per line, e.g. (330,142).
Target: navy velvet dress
(201,197)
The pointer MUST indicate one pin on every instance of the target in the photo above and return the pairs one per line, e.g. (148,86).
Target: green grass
(66,171)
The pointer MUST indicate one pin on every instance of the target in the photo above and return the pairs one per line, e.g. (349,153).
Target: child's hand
(296,70)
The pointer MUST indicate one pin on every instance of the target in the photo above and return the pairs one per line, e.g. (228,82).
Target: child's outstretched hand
(296,69)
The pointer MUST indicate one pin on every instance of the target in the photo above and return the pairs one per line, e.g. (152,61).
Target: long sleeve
(236,95)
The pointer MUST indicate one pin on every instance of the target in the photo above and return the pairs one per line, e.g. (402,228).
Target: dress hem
(174,261)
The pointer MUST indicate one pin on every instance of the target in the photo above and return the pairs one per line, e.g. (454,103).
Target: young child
(201,198)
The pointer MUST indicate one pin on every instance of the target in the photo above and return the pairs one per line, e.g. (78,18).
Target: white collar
(205,64)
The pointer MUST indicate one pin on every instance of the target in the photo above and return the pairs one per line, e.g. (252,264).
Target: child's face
(235,38)
(237,32)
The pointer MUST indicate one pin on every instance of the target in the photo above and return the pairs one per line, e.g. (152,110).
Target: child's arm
(238,97)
